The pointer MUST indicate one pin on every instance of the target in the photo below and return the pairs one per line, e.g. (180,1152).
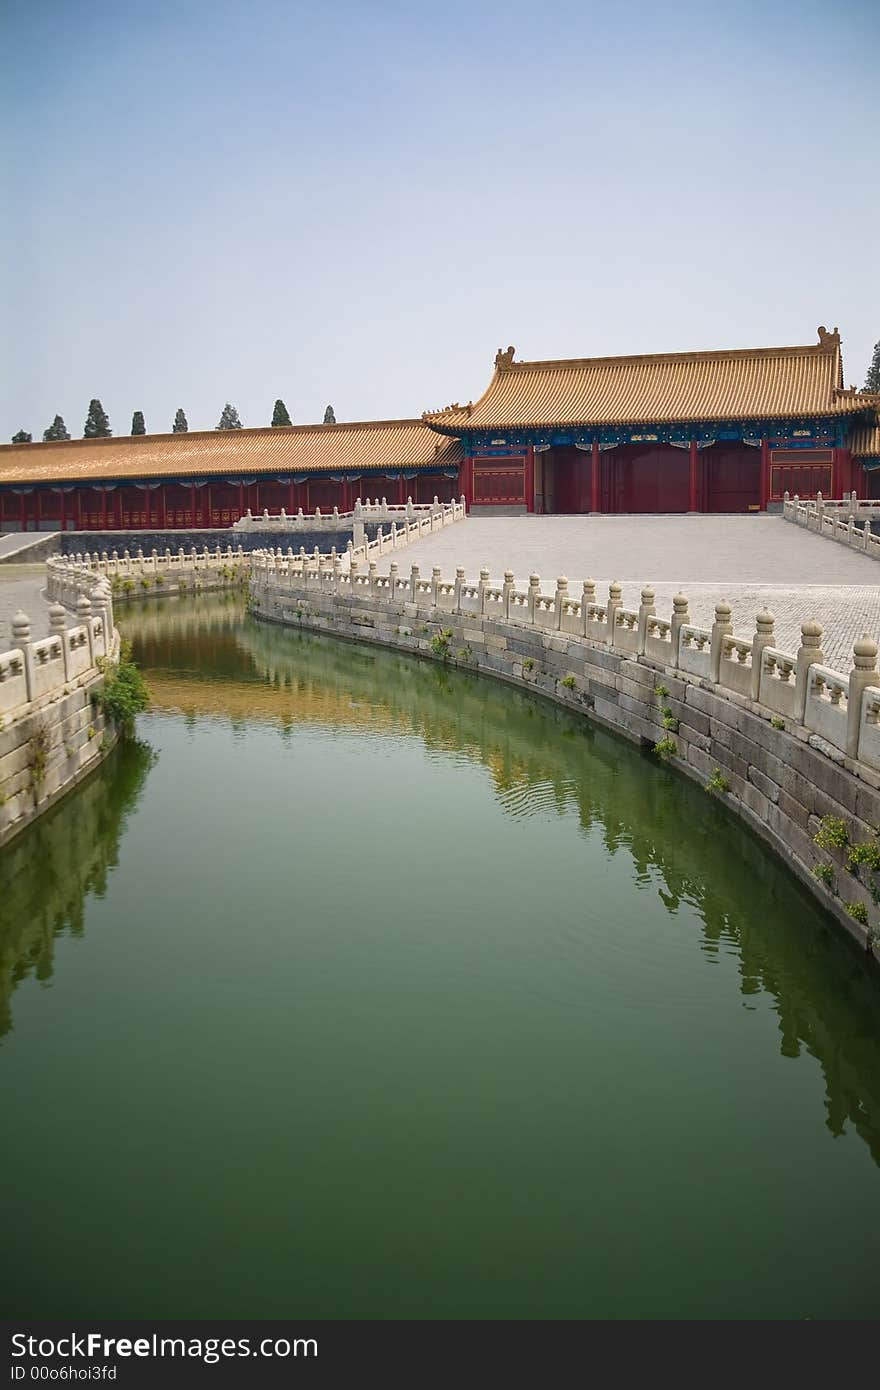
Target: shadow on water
(543,760)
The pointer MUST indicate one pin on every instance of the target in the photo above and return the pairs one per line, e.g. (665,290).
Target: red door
(733,474)
(655,478)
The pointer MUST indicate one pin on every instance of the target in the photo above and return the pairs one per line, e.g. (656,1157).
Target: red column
(842,480)
(63,496)
(346,505)
(206,505)
(77,498)
(765,473)
(530,478)
(291,497)
(693,496)
(241,506)
(117,507)
(163,507)
(103,509)
(401,495)
(147,507)
(24,511)
(192,504)
(595,478)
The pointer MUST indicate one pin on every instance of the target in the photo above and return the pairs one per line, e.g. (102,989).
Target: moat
(359,987)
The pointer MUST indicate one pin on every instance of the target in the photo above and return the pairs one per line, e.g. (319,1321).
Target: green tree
(137,423)
(97,422)
(22,438)
(280,415)
(329,417)
(180,425)
(229,419)
(57,430)
(872,380)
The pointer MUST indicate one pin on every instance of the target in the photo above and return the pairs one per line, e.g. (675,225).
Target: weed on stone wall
(38,757)
(718,783)
(440,643)
(666,748)
(125,692)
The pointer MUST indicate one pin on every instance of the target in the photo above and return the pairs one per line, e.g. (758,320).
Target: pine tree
(180,425)
(872,380)
(57,430)
(280,415)
(137,423)
(22,438)
(97,422)
(329,417)
(229,419)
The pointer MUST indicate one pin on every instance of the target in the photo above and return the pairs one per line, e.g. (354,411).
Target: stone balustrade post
(371,571)
(394,535)
(765,625)
(506,589)
(57,625)
(680,618)
(721,628)
(410,510)
(456,597)
(413,584)
(614,602)
(588,596)
(646,611)
(435,586)
(84,616)
(21,637)
(533,595)
(559,601)
(863,674)
(481,590)
(392,580)
(353,576)
(809,654)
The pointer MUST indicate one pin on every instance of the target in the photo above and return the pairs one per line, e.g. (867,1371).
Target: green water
(361,988)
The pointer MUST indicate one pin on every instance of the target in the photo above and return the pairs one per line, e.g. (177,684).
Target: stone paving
(21,586)
(752,561)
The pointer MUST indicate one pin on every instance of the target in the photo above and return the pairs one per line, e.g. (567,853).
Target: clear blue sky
(360,202)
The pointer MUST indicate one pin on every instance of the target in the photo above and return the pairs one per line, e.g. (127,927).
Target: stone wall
(763,765)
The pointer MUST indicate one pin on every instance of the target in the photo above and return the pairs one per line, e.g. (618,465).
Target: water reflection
(50,870)
(206,659)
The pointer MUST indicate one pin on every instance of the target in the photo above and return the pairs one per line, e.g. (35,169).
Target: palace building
(727,431)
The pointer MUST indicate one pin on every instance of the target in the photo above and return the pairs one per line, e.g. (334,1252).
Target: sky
(358,203)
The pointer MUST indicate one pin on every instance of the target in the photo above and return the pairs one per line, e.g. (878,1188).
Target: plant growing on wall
(832,833)
(858,912)
(666,748)
(718,782)
(38,757)
(440,643)
(125,692)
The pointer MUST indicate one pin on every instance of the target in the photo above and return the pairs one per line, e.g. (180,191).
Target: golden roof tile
(662,388)
(864,442)
(369,446)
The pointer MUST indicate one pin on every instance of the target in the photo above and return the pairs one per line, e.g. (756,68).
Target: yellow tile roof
(864,441)
(371,446)
(664,388)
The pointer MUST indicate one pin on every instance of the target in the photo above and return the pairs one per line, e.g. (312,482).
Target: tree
(137,423)
(872,380)
(97,422)
(229,419)
(329,417)
(57,430)
(280,415)
(180,425)
(22,438)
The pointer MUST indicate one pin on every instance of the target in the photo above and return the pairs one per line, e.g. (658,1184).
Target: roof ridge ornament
(504,360)
(828,341)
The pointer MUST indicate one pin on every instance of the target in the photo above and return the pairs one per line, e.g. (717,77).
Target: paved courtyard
(752,561)
(21,586)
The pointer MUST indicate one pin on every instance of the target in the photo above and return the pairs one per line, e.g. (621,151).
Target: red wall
(731,474)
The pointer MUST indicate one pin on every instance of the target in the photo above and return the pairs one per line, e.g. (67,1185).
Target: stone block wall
(779,783)
(47,750)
